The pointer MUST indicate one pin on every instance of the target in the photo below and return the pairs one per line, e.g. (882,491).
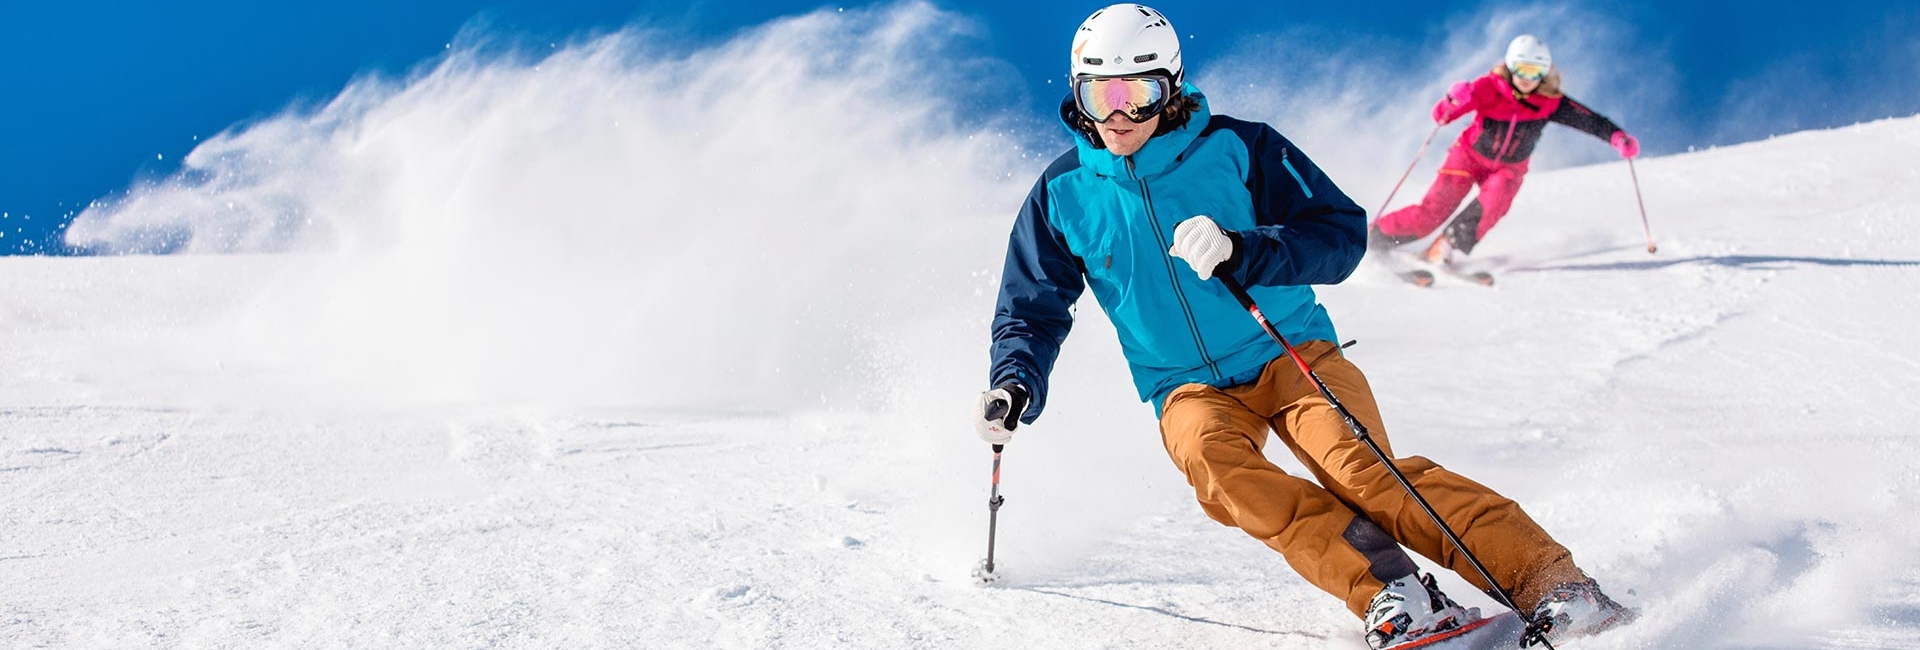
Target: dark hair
(1178,112)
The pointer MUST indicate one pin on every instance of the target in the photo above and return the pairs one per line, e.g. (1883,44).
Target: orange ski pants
(1344,533)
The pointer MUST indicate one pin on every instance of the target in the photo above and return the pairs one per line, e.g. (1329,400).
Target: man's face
(1123,137)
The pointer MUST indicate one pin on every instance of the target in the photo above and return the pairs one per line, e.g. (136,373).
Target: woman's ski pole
(1409,172)
(1536,630)
(1643,207)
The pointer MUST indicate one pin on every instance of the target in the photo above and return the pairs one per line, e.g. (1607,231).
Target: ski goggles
(1530,71)
(1138,98)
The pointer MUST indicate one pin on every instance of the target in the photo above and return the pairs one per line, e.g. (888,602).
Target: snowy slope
(1722,430)
(534,378)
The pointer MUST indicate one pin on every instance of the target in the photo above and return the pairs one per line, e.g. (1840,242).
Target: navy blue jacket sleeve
(1309,231)
(1041,281)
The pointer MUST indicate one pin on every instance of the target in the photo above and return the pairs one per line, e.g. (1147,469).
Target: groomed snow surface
(504,397)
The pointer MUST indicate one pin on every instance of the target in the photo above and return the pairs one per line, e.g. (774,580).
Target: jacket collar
(1159,155)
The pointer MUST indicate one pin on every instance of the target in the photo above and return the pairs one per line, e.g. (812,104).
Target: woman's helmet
(1528,58)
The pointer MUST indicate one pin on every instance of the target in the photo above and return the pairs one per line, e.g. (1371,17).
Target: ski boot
(1411,609)
(1440,253)
(1380,243)
(1578,609)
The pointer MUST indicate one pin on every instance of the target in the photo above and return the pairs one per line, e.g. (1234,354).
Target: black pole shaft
(1360,432)
(993,507)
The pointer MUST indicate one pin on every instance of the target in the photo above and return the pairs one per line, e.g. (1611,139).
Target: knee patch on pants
(1464,231)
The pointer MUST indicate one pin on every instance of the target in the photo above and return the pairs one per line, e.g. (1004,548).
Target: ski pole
(984,574)
(1409,172)
(1535,629)
(1643,207)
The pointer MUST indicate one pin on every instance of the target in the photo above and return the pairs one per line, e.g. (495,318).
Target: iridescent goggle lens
(1530,71)
(1138,98)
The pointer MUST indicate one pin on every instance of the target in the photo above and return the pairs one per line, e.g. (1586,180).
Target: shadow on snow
(1757,262)
(1165,612)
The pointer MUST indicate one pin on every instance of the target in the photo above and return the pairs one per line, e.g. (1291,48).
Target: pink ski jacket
(1510,124)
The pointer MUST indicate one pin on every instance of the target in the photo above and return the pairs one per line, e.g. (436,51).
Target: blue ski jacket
(1104,221)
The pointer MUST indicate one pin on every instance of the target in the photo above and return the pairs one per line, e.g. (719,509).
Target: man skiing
(1515,101)
(1155,175)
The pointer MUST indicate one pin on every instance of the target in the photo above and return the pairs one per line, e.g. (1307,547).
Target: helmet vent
(1123,42)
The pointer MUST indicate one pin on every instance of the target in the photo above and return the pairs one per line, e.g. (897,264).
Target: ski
(1402,266)
(1481,278)
(1419,277)
(1414,269)
(1498,632)
(1440,255)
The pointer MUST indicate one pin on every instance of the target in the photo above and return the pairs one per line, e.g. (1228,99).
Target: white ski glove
(1201,243)
(998,412)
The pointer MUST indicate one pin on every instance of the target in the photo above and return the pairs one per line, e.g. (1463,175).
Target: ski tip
(1485,279)
(1497,632)
(1421,279)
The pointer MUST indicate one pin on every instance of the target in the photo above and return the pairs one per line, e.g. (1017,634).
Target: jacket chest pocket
(1106,250)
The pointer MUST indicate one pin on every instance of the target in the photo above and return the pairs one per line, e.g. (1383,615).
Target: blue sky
(101,95)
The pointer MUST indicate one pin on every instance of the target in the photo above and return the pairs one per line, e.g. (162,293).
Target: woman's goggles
(1530,71)
(1138,98)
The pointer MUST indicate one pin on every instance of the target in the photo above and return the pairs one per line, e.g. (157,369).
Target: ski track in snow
(1721,432)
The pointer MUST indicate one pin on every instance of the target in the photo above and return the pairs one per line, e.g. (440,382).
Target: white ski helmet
(1126,39)
(1528,49)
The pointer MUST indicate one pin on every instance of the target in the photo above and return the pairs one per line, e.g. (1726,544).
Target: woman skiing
(1515,101)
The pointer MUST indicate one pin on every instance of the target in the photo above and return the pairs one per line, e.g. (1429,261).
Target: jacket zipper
(1186,309)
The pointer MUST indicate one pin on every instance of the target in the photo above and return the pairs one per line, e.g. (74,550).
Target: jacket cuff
(1231,267)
